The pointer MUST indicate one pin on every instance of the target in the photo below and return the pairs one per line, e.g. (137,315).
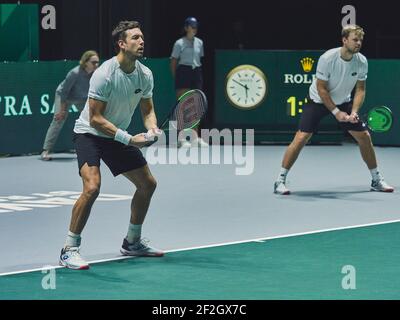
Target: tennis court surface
(226,236)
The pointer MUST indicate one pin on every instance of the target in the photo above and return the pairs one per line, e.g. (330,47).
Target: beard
(134,55)
(352,50)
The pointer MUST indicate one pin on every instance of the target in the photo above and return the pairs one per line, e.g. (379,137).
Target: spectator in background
(186,69)
(73,90)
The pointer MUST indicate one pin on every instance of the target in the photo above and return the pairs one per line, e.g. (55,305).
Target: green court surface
(296,267)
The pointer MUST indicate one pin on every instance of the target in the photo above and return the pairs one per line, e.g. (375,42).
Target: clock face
(246,87)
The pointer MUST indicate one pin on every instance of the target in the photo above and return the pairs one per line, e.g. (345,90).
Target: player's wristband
(123,137)
(335,111)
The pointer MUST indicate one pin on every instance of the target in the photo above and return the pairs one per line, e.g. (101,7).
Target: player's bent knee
(366,135)
(152,185)
(363,137)
(149,186)
(91,190)
(303,137)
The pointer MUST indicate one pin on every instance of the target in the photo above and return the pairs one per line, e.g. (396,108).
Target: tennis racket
(187,112)
(378,119)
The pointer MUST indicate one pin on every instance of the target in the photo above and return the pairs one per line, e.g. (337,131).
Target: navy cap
(191,21)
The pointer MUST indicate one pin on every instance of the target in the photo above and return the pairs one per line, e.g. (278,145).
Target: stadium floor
(212,224)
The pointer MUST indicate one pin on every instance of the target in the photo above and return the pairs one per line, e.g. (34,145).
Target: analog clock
(246,86)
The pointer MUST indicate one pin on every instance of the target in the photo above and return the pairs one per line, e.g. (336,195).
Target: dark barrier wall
(15,45)
(383,89)
(27,95)
(26,103)
(289,75)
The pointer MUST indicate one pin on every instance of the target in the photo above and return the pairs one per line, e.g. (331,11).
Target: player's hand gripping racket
(187,113)
(378,119)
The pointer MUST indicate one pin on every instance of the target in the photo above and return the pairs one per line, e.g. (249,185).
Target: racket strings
(189,111)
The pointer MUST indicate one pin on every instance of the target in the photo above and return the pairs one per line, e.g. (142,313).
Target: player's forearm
(63,106)
(103,125)
(150,120)
(173,67)
(358,100)
(326,99)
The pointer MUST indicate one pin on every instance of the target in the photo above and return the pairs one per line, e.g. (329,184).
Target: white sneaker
(381,185)
(45,155)
(139,249)
(280,188)
(199,142)
(184,144)
(71,259)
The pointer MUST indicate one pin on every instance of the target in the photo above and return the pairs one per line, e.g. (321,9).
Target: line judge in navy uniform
(186,68)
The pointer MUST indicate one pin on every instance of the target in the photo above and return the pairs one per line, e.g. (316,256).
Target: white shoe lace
(74,253)
(142,244)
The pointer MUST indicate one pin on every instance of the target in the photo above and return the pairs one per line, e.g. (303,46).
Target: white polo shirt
(187,52)
(341,75)
(120,90)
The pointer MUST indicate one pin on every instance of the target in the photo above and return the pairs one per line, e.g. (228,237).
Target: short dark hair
(119,32)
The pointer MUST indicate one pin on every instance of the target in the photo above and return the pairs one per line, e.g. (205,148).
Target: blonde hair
(86,57)
(352,28)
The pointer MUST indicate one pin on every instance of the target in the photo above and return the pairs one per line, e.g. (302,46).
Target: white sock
(134,232)
(73,240)
(375,174)
(283,174)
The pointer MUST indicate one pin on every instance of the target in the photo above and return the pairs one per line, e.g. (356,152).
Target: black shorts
(188,78)
(117,156)
(314,112)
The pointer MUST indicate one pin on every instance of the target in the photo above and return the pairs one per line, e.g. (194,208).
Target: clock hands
(254,82)
(243,85)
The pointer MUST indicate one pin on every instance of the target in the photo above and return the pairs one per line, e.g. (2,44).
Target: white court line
(215,245)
